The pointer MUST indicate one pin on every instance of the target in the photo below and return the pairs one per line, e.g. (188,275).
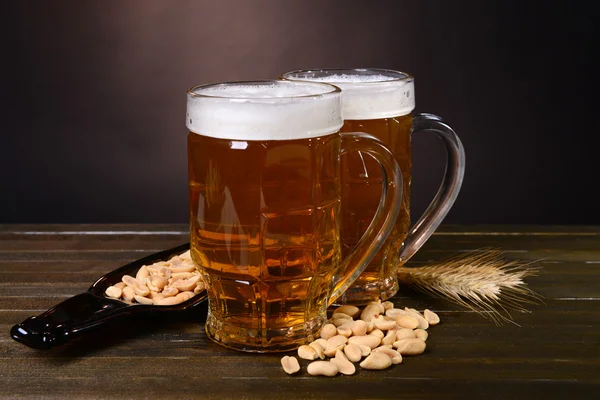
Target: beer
(264,187)
(361,179)
(265,235)
(378,102)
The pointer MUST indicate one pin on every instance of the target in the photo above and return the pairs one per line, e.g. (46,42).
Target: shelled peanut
(379,337)
(164,283)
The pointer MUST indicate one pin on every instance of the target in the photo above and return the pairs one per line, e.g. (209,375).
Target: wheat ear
(480,280)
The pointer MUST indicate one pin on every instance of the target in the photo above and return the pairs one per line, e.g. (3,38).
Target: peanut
(390,337)
(370,326)
(163,264)
(151,287)
(394,312)
(166,272)
(431,317)
(142,273)
(344,330)
(307,353)
(364,350)
(381,323)
(423,324)
(421,334)
(143,300)
(154,270)
(344,366)
(176,260)
(353,352)
(407,321)
(128,293)
(359,327)
(188,284)
(369,340)
(323,368)
(377,332)
(387,305)
(340,319)
(369,312)
(186,295)
(159,282)
(322,342)
(186,255)
(393,354)
(410,347)
(169,291)
(376,361)
(405,333)
(186,268)
(175,276)
(129,280)
(167,301)
(328,331)
(141,289)
(318,348)
(352,311)
(290,365)
(335,343)
(379,306)
(114,292)
(156,297)
(412,310)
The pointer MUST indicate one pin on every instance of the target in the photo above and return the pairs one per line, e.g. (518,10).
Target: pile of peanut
(381,333)
(164,283)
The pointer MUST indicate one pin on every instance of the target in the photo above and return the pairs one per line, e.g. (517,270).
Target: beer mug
(379,102)
(265,194)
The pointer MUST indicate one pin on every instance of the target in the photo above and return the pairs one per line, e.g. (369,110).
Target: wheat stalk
(480,280)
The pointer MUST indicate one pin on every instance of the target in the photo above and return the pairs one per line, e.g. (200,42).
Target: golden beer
(379,102)
(362,180)
(265,195)
(267,238)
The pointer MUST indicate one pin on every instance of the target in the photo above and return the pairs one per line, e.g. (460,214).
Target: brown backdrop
(93,97)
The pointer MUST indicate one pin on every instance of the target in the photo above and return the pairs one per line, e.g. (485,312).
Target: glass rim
(406,77)
(332,90)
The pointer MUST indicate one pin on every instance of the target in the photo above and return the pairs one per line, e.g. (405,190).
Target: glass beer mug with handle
(265,194)
(379,102)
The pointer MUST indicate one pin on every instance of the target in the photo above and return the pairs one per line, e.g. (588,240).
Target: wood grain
(555,352)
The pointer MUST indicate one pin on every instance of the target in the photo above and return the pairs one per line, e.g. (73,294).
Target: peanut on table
(382,334)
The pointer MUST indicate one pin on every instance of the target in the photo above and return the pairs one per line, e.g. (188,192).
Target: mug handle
(382,224)
(449,188)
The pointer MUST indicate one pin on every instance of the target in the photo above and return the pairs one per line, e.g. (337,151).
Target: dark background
(93,97)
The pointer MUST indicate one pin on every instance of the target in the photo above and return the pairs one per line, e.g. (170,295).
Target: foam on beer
(367,94)
(352,78)
(270,110)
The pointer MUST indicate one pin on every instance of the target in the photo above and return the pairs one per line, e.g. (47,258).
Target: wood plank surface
(553,352)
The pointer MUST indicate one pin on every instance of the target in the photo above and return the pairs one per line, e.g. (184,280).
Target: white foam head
(264,110)
(366,93)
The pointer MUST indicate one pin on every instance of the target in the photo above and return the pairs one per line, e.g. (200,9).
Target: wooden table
(553,354)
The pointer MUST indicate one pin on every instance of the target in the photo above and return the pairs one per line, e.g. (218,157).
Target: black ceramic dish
(90,310)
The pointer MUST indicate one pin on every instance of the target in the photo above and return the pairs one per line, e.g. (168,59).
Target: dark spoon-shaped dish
(90,310)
